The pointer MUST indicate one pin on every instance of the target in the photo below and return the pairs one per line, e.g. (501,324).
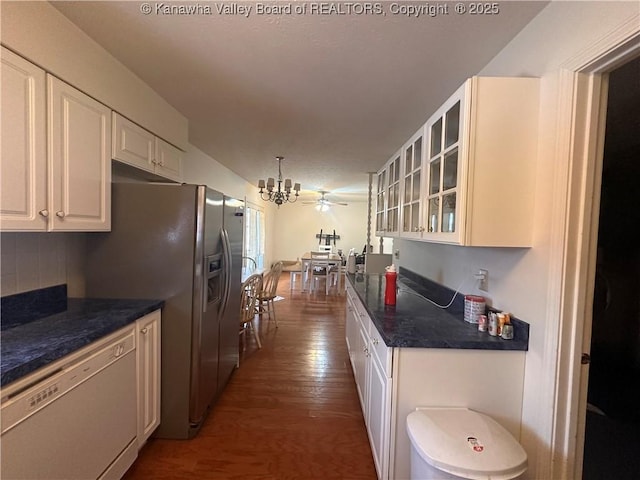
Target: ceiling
(335,94)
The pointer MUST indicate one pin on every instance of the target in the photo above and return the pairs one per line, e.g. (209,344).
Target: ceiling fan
(322,203)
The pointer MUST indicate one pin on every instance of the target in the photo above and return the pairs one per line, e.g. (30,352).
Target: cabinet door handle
(44,213)
(144,330)
(60,214)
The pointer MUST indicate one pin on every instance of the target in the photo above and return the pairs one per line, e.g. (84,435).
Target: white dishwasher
(76,419)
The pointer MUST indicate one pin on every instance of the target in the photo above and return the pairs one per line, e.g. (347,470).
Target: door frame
(583,83)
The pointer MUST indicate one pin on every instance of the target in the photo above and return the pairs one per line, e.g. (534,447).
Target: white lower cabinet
(148,375)
(372,380)
(394,381)
(357,342)
(378,413)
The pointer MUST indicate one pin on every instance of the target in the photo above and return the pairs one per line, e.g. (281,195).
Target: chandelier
(280,195)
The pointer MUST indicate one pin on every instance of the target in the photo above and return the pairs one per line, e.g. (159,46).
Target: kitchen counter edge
(28,347)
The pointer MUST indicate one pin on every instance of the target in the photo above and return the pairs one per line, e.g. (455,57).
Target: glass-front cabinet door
(411,210)
(468,176)
(443,168)
(388,198)
(393,195)
(380,202)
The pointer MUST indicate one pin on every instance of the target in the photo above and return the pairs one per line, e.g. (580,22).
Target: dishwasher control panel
(43,395)
(35,396)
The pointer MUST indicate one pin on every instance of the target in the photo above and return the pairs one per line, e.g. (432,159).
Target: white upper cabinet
(140,148)
(168,160)
(480,164)
(133,144)
(411,217)
(388,198)
(79,160)
(55,165)
(23,161)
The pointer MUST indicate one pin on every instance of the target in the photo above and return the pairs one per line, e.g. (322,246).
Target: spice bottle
(390,278)
(493,324)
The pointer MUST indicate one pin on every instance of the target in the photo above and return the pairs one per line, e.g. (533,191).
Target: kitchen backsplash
(37,260)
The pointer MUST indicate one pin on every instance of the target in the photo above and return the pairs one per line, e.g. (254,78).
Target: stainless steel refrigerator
(181,244)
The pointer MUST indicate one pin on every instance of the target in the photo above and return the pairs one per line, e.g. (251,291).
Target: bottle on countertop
(351,261)
(390,278)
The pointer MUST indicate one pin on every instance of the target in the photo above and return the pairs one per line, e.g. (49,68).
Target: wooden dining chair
(269,292)
(319,269)
(337,276)
(250,293)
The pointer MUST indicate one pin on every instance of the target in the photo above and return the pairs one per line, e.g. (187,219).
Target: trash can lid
(465,443)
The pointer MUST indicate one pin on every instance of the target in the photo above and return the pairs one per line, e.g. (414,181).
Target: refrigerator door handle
(226,249)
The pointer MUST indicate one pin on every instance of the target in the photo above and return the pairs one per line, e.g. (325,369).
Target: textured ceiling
(335,94)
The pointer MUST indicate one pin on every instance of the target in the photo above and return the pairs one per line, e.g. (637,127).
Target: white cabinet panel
(480,164)
(392,382)
(489,381)
(132,144)
(372,381)
(56,151)
(383,354)
(79,159)
(411,215)
(378,416)
(148,332)
(23,161)
(168,160)
(140,148)
(388,198)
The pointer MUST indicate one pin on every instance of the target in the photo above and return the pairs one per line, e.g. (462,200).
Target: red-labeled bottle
(390,278)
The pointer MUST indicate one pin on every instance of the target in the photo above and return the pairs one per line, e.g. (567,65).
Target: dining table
(331,260)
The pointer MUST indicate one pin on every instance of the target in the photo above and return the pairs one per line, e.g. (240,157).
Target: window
(253,238)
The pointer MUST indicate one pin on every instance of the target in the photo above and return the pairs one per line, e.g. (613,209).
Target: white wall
(198,167)
(290,229)
(298,224)
(37,260)
(525,281)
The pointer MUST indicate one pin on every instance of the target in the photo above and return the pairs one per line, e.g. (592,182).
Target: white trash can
(454,443)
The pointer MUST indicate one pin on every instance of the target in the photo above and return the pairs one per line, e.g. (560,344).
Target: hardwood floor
(291,410)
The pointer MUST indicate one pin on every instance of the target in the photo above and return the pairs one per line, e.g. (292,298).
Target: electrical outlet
(396,254)
(483,276)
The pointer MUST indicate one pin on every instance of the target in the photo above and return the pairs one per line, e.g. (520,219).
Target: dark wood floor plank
(290,411)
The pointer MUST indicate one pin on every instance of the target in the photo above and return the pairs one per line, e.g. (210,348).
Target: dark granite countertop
(31,345)
(414,322)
